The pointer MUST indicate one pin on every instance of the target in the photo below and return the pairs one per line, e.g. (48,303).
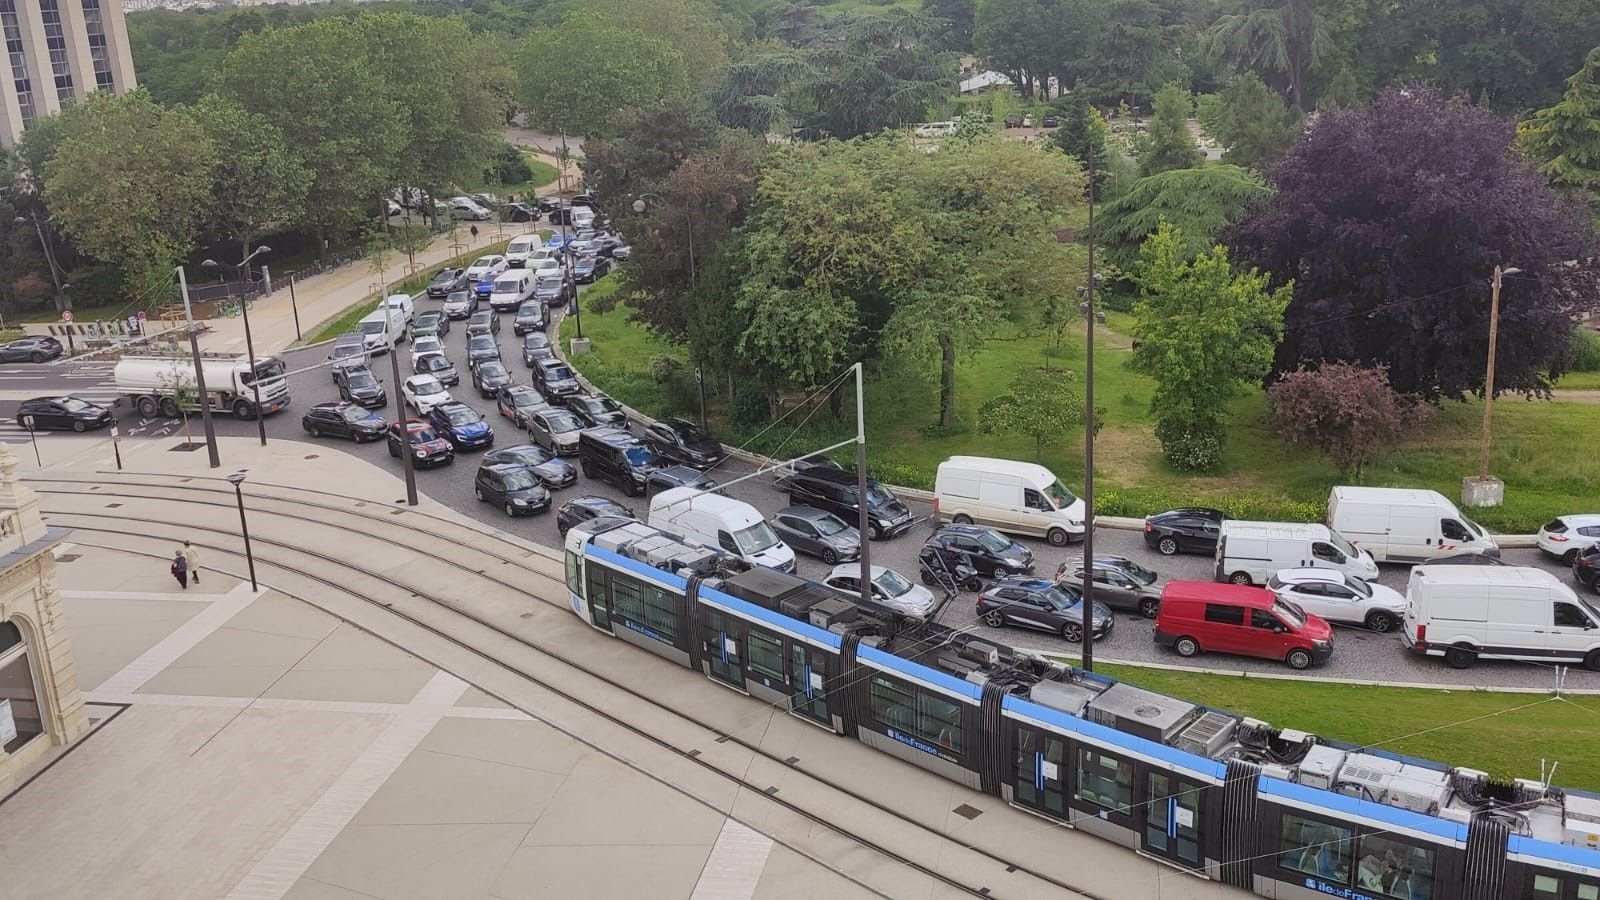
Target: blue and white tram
(1278,813)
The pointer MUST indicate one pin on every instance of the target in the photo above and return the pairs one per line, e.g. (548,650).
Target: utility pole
(1088,444)
(862,523)
(199,372)
(1488,376)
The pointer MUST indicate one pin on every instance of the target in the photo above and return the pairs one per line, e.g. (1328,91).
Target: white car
(549,265)
(485,268)
(1340,598)
(888,587)
(425,345)
(935,129)
(423,393)
(468,209)
(1565,537)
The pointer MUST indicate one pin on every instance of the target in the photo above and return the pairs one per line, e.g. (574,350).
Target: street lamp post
(407,462)
(62,299)
(249,342)
(688,227)
(199,371)
(1484,489)
(237,479)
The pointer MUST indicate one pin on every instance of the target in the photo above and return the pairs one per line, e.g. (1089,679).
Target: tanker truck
(151,384)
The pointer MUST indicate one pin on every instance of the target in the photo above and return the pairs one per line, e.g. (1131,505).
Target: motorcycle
(938,572)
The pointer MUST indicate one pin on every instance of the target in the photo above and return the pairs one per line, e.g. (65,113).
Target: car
(609,244)
(615,455)
(677,476)
(436,365)
(424,392)
(554,379)
(560,239)
(1193,529)
(546,204)
(486,199)
(991,553)
(518,212)
(489,377)
(344,419)
(512,488)
(1340,598)
(583,509)
(460,304)
(1043,605)
(585,199)
(551,469)
(589,269)
(63,413)
(1202,616)
(596,409)
(460,424)
(1564,537)
(1464,559)
(818,533)
(485,268)
(835,491)
(516,401)
(481,347)
(680,440)
(359,386)
(553,289)
(433,323)
(468,210)
(349,352)
(483,322)
(447,282)
(1050,122)
(1119,582)
(530,318)
(555,430)
(428,449)
(786,471)
(1586,568)
(31,349)
(889,588)
(423,346)
(536,346)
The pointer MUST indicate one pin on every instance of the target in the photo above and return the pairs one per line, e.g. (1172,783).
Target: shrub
(1347,412)
(748,411)
(602,301)
(1585,351)
(1190,446)
(665,368)
(511,167)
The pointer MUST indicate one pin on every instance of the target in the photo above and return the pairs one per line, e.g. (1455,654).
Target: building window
(98,51)
(19,700)
(12,29)
(55,39)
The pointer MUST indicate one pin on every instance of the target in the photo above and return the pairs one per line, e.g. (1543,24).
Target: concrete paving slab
(308,888)
(619,871)
(352,665)
(418,862)
(434,788)
(656,814)
(231,662)
(790,876)
(286,617)
(528,744)
(109,634)
(106,570)
(480,700)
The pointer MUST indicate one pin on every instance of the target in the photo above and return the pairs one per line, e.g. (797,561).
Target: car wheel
(1240,578)
(1381,622)
(1168,546)
(147,407)
(1073,632)
(829,557)
(1298,659)
(629,488)
(79,427)
(509,511)
(1186,646)
(241,410)
(974,584)
(994,619)
(962,519)
(927,577)
(1460,657)
(394,451)
(37,357)
(562,528)
(1592,661)
(1569,557)
(876,532)
(587,467)
(1149,606)
(1057,537)
(315,431)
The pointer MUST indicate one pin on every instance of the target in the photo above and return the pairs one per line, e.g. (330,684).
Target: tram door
(722,650)
(808,667)
(1172,820)
(599,606)
(1041,771)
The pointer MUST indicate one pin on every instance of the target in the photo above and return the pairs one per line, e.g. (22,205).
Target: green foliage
(693,27)
(1041,404)
(568,72)
(1564,139)
(256,180)
(752,92)
(511,166)
(1585,352)
(876,72)
(1082,135)
(1198,203)
(1281,40)
(1253,123)
(1191,442)
(1169,144)
(1011,36)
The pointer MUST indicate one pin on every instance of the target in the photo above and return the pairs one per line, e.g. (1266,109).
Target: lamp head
(263,249)
(1511,270)
(208,264)
(638,206)
(236,478)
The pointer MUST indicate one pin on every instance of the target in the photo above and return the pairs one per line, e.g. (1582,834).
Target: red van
(1198,616)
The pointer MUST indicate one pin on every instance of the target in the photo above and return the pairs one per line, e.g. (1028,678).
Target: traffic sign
(27,422)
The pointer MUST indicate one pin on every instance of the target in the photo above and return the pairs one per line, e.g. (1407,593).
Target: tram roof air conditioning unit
(1069,697)
(1207,735)
(832,611)
(982,653)
(1393,783)
(1320,767)
(1136,711)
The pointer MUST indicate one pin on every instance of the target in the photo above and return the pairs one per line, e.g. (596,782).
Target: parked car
(819,533)
(460,424)
(682,441)
(835,491)
(514,489)
(1050,122)
(433,323)
(460,304)
(988,551)
(482,322)
(489,377)
(31,349)
(349,352)
(554,379)
(1206,617)
(677,476)
(346,420)
(536,346)
(555,430)
(783,473)
(1186,530)
(596,410)
(518,212)
(516,401)
(467,209)
(889,588)
(1586,568)
(1564,537)
(591,268)
(553,289)
(582,509)
(1044,605)
(616,456)
(553,471)
(436,365)
(359,386)
(530,318)
(422,346)
(481,347)
(1119,582)
(1466,559)
(447,282)
(427,448)
(63,413)
(424,392)
(1340,598)
(485,268)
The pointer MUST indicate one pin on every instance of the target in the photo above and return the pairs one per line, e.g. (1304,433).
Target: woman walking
(191,558)
(180,569)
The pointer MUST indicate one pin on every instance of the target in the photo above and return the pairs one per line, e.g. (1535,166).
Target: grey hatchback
(1119,583)
(817,532)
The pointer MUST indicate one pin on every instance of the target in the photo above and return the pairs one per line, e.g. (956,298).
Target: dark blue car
(462,425)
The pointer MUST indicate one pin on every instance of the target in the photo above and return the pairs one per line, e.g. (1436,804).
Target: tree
(620,68)
(1347,412)
(1390,220)
(180,386)
(1564,139)
(1283,40)
(878,71)
(1197,202)
(1129,51)
(644,145)
(1169,144)
(1254,124)
(1082,136)
(693,27)
(751,92)
(1010,36)
(256,181)
(960,16)
(1204,331)
(1041,404)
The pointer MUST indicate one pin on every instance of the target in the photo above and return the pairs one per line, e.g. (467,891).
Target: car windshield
(423,436)
(640,456)
(354,414)
(1136,572)
(526,398)
(73,404)
(1338,540)
(480,318)
(755,539)
(1289,613)
(425,388)
(1059,599)
(1059,495)
(1359,585)
(483,262)
(341,351)
(549,284)
(426,345)
(536,340)
(829,524)
(892,584)
(363,380)
(561,423)
(376,327)
(1476,529)
(446,275)
(531,455)
(426,320)
(877,494)
(992,542)
(557,373)
(433,362)
(481,342)
(520,480)
(491,370)
(458,297)
(463,416)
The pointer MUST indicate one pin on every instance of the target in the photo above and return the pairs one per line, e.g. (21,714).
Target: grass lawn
(868,6)
(543,172)
(1503,734)
(81,313)
(1579,381)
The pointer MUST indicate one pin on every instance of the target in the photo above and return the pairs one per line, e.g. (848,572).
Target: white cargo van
(510,289)
(383,329)
(1018,497)
(1401,525)
(520,248)
(724,523)
(1498,612)
(1250,552)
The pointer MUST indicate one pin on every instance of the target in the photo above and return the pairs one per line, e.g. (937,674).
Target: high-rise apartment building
(59,50)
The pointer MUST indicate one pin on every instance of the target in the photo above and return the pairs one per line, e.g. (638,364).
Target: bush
(665,368)
(602,301)
(1585,351)
(511,167)
(1190,446)
(748,411)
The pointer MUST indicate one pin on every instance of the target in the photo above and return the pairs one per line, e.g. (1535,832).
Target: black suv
(1041,604)
(582,509)
(1188,530)
(360,386)
(554,380)
(536,346)
(992,554)
(511,487)
(530,317)
(596,410)
(835,491)
(616,456)
(678,476)
(682,441)
(1119,581)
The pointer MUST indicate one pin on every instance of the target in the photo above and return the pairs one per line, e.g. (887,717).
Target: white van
(1402,525)
(521,247)
(713,520)
(382,329)
(935,129)
(402,302)
(510,289)
(1019,497)
(1498,612)
(1250,552)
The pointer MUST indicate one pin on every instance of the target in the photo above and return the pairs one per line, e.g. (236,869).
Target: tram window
(1590,891)
(660,611)
(1105,780)
(626,598)
(1394,869)
(765,655)
(1315,848)
(1545,887)
(575,574)
(894,706)
(917,715)
(939,720)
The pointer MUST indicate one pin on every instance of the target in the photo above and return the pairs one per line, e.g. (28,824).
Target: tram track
(393,529)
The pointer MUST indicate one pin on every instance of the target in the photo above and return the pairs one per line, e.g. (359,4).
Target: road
(1358,655)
